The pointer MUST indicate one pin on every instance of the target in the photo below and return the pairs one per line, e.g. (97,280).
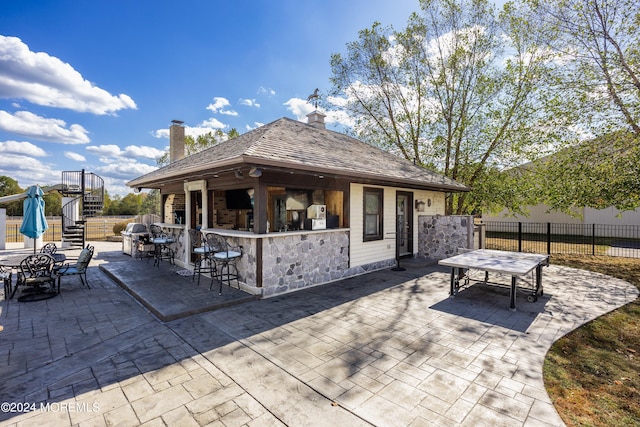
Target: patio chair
(36,272)
(5,276)
(225,258)
(77,269)
(52,249)
(202,254)
(161,242)
(49,248)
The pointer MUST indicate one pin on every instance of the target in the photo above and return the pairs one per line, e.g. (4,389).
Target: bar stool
(225,258)
(5,276)
(161,242)
(202,254)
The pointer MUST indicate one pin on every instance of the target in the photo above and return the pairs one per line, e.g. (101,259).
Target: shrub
(119,226)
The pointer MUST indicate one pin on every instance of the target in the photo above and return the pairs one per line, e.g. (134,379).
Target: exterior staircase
(87,191)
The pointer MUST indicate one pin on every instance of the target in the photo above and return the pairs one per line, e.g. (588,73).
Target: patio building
(308,205)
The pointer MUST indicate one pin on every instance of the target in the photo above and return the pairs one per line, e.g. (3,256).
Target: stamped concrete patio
(385,349)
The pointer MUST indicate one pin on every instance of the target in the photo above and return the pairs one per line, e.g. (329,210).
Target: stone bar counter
(280,262)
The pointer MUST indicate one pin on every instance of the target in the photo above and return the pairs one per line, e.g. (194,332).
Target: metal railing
(558,238)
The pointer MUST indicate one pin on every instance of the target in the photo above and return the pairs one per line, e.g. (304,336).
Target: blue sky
(95,84)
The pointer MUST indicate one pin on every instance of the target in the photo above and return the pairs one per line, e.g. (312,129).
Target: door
(404,224)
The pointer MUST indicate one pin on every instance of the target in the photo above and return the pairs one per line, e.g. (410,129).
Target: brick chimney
(176,141)
(316,119)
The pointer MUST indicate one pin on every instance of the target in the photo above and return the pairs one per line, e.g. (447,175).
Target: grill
(130,237)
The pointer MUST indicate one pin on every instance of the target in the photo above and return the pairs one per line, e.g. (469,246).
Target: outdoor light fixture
(420,205)
(238,174)
(255,172)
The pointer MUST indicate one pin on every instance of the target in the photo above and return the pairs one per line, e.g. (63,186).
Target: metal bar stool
(161,242)
(225,258)
(202,254)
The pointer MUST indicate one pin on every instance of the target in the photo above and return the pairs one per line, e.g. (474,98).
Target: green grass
(593,373)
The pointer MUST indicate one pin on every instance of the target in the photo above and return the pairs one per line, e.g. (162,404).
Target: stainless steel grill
(131,236)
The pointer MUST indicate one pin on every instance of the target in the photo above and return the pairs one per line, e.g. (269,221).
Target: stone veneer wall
(295,261)
(179,248)
(291,262)
(440,236)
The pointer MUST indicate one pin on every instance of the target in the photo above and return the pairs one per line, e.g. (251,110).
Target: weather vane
(314,98)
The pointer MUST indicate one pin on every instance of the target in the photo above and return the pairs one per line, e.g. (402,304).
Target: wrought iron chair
(5,276)
(77,269)
(49,248)
(36,271)
(161,242)
(225,258)
(52,249)
(202,254)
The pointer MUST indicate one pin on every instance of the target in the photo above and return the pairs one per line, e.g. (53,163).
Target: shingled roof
(290,144)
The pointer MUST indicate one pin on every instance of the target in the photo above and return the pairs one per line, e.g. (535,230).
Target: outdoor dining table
(12,262)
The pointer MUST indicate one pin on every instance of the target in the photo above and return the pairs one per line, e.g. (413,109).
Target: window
(373,214)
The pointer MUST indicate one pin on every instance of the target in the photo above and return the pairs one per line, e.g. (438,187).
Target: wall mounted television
(238,199)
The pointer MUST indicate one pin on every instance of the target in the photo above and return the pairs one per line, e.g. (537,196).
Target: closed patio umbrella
(34,223)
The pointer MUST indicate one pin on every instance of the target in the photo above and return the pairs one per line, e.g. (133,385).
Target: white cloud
(31,125)
(46,80)
(160,133)
(125,170)
(143,151)
(249,102)
(116,186)
(112,151)
(211,123)
(299,107)
(75,156)
(28,170)
(25,148)
(123,164)
(255,126)
(219,105)
(341,118)
(266,91)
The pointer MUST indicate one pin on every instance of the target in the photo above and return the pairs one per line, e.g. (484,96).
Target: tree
(106,203)
(52,203)
(151,203)
(598,77)
(113,208)
(131,204)
(9,187)
(194,145)
(597,173)
(458,91)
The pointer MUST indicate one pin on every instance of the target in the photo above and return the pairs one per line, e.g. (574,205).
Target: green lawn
(592,374)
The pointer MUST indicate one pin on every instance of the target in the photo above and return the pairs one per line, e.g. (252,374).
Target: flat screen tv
(238,199)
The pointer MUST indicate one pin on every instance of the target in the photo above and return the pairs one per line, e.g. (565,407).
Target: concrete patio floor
(386,349)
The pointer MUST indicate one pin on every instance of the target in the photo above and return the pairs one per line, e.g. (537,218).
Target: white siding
(537,213)
(362,253)
(609,216)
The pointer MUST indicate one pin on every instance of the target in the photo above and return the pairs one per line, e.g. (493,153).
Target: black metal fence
(556,238)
